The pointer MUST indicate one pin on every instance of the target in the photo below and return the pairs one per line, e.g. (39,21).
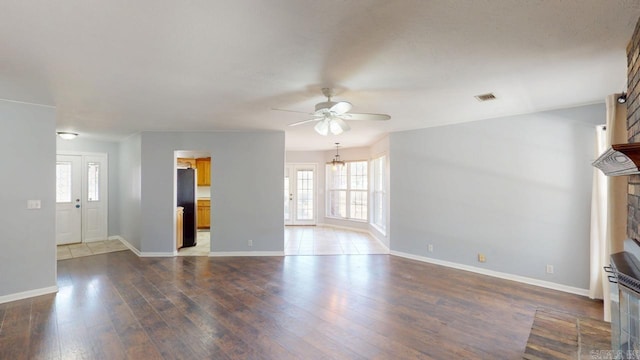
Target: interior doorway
(81,197)
(192,202)
(300,194)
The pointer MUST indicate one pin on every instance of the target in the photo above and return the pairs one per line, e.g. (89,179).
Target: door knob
(77,206)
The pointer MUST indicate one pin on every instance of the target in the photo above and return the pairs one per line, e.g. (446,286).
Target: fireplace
(625,301)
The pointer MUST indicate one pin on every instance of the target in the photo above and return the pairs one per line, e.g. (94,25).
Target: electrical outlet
(481,258)
(430,247)
(250,243)
(549,269)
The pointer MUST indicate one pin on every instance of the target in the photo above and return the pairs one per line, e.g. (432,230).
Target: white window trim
(348,189)
(382,229)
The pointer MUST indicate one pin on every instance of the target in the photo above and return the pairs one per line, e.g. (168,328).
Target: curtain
(608,204)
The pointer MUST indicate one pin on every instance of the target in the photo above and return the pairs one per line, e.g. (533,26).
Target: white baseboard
(28,294)
(143,253)
(245,253)
(157,254)
(497,274)
(127,244)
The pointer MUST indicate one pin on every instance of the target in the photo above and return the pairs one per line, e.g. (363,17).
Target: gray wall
(129,190)
(517,189)
(246,188)
(27,237)
(80,144)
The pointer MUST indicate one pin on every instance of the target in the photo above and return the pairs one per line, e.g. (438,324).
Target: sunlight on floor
(324,240)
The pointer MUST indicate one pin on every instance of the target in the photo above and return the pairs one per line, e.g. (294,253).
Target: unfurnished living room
(320,179)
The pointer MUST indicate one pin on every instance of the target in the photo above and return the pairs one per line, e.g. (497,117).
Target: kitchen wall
(130,190)
(246,192)
(27,237)
(110,148)
(517,189)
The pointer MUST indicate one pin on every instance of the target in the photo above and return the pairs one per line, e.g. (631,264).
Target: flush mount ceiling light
(336,159)
(67,135)
(622,98)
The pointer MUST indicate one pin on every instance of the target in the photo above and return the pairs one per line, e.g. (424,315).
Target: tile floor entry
(89,248)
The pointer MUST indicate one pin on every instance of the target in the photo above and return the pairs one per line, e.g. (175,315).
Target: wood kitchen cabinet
(179,224)
(204,214)
(204,171)
(191,162)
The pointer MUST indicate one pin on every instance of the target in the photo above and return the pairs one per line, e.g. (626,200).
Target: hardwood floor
(119,306)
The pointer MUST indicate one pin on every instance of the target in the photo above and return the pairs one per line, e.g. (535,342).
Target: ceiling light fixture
(622,98)
(67,135)
(336,160)
(332,124)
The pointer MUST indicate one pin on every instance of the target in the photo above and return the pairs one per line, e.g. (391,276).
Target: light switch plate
(33,204)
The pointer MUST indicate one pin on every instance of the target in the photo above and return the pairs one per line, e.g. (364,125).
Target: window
(93,181)
(347,191)
(378,194)
(63,181)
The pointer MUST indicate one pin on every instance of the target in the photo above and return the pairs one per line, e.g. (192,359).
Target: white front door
(300,194)
(68,202)
(94,213)
(81,198)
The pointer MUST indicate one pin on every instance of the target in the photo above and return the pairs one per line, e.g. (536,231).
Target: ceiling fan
(331,115)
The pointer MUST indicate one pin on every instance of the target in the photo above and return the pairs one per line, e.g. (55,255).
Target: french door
(81,198)
(300,194)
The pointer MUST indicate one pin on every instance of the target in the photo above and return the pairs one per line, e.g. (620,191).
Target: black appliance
(187,199)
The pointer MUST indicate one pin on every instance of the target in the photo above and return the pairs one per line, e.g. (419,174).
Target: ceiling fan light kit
(331,115)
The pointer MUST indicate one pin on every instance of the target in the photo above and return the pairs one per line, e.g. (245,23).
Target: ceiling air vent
(485,97)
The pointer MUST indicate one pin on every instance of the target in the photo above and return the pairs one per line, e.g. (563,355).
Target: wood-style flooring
(119,306)
(557,335)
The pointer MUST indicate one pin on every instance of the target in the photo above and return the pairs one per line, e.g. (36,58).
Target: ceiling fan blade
(338,126)
(341,107)
(322,127)
(364,116)
(293,111)
(303,122)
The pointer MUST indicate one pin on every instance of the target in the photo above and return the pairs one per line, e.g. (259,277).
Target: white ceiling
(113,68)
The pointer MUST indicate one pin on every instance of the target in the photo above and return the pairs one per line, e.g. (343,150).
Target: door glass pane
(305,195)
(287,215)
(93,181)
(63,181)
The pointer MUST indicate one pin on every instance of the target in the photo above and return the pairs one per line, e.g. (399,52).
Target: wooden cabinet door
(191,162)
(204,214)
(179,233)
(204,171)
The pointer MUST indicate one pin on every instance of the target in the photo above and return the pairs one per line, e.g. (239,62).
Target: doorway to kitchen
(81,197)
(192,202)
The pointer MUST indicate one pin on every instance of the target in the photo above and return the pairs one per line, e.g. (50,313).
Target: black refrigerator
(187,199)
